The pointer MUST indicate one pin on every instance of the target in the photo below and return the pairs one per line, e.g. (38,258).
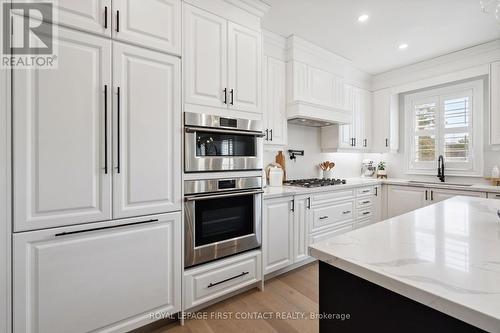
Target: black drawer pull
(366,213)
(229,279)
(323,217)
(366,191)
(365,202)
(346,212)
(103,228)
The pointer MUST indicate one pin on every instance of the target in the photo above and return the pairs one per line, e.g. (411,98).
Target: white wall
(348,165)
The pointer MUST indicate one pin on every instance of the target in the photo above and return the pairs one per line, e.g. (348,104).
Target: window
(445,121)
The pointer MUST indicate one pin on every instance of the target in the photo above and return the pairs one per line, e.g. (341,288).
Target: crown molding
(255,7)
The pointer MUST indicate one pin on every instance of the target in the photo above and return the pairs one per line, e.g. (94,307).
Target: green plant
(381,165)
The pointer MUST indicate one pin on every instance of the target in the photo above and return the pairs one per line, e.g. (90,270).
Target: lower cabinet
(404,199)
(277,233)
(100,278)
(213,280)
(493,195)
(301,220)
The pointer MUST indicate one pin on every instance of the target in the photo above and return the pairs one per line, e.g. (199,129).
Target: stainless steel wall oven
(221,217)
(214,143)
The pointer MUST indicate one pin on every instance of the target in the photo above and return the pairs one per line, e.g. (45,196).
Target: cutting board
(280,159)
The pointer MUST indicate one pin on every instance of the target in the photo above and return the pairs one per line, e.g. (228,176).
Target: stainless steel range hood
(310,122)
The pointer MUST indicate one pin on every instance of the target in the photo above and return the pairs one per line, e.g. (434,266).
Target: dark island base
(372,308)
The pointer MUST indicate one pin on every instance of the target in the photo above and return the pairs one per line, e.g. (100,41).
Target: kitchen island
(434,269)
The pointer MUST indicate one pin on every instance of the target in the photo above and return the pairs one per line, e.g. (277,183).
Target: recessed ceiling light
(403,46)
(363,18)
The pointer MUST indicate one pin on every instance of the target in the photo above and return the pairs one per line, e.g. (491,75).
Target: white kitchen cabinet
(301,220)
(97,278)
(437,195)
(90,15)
(62,136)
(147,119)
(205,58)
(495,103)
(223,63)
(404,199)
(385,121)
(221,277)
(357,134)
(274,96)
(493,196)
(277,233)
(151,23)
(244,68)
(378,204)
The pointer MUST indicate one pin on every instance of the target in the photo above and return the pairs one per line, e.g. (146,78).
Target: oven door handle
(226,131)
(217,196)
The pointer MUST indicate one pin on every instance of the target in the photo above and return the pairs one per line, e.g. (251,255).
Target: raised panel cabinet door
(275,108)
(89,15)
(381,124)
(495,104)
(244,68)
(301,221)
(321,87)
(147,118)
(155,24)
(205,58)
(62,136)
(109,279)
(402,199)
(277,234)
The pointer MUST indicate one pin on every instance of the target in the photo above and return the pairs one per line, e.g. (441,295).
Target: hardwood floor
(294,293)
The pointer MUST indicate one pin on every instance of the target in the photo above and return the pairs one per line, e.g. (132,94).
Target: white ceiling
(430,28)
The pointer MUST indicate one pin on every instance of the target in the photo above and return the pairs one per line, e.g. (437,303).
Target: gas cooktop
(314,182)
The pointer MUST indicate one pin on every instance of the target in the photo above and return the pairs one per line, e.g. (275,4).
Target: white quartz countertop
(283,191)
(446,256)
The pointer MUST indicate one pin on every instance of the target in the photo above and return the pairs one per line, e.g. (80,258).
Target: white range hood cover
(307,114)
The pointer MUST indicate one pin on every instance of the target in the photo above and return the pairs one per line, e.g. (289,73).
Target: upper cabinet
(385,121)
(495,103)
(274,95)
(357,134)
(222,67)
(152,23)
(155,24)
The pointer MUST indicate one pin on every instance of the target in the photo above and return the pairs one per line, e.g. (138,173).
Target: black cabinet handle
(267,135)
(271,131)
(365,202)
(103,228)
(387,142)
(117,21)
(346,212)
(293,205)
(118,126)
(105,17)
(426,196)
(308,203)
(366,213)
(232,96)
(106,129)
(376,191)
(229,279)
(365,143)
(323,217)
(225,95)
(432,195)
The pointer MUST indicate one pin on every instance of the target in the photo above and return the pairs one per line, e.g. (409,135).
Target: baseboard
(289,268)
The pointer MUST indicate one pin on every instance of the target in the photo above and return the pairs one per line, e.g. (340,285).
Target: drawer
(364,202)
(332,232)
(330,215)
(364,213)
(213,280)
(323,198)
(368,190)
(493,195)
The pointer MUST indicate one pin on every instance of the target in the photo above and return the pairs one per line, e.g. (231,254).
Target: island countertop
(445,256)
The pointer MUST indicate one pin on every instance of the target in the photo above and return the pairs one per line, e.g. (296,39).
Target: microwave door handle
(226,131)
(217,196)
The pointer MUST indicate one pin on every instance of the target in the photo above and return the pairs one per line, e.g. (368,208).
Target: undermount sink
(438,183)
